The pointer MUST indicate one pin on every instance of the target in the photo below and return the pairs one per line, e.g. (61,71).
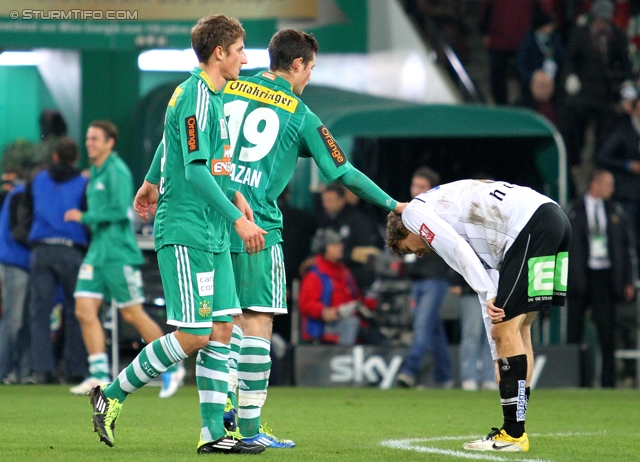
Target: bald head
(601,184)
(542,86)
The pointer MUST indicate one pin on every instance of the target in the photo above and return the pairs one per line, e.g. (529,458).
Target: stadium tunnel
(394,137)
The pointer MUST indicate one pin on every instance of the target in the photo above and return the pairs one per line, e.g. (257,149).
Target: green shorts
(122,283)
(198,286)
(260,280)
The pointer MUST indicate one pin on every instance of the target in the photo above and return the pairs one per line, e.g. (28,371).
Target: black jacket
(622,146)
(356,230)
(620,245)
(600,81)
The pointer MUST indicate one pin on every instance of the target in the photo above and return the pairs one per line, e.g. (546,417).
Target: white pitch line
(409,444)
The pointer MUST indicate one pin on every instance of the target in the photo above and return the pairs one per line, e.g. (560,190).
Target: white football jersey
(471,224)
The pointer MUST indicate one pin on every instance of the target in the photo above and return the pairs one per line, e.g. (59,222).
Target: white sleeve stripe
(202,106)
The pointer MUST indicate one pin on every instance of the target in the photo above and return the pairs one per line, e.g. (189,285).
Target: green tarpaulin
(358,115)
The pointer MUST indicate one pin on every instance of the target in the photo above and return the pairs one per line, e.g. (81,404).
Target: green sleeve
(198,176)
(116,207)
(359,184)
(195,126)
(317,142)
(154,173)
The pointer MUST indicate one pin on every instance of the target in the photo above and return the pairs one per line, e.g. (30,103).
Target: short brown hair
(288,45)
(428,174)
(67,151)
(396,232)
(109,129)
(214,31)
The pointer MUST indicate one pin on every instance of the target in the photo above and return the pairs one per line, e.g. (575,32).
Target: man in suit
(602,267)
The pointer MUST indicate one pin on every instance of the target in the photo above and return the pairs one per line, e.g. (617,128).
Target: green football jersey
(269,129)
(109,212)
(194,130)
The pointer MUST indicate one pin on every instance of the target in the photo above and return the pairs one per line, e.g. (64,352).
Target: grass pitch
(47,423)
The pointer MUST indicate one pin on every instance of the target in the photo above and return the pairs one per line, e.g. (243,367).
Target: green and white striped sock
(234,354)
(152,361)
(212,377)
(99,366)
(254,367)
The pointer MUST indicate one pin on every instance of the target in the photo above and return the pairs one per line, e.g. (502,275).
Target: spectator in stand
(15,362)
(602,267)
(597,71)
(10,176)
(329,296)
(540,96)
(58,249)
(358,232)
(621,156)
(431,281)
(503,24)
(541,49)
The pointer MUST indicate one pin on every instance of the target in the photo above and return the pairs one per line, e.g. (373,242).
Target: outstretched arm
(362,186)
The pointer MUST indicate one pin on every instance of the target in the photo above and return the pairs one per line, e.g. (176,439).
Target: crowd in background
(576,63)
(40,337)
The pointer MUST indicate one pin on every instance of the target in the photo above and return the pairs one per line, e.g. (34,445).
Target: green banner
(83,24)
(115,34)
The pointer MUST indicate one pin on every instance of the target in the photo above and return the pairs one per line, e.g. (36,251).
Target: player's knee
(258,324)
(132,314)
(191,343)
(199,342)
(85,314)
(501,336)
(221,332)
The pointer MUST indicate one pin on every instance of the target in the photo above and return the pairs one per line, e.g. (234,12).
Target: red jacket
(310,302)
(506,21)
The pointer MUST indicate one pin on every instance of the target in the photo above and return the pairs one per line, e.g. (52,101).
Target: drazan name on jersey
(263,94)
(336,153)
(245,175)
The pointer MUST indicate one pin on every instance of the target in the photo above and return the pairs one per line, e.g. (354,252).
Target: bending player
(511,245)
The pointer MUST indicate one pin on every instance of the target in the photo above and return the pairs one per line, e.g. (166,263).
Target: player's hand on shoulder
(251,234)
(146,200)
(400,206)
